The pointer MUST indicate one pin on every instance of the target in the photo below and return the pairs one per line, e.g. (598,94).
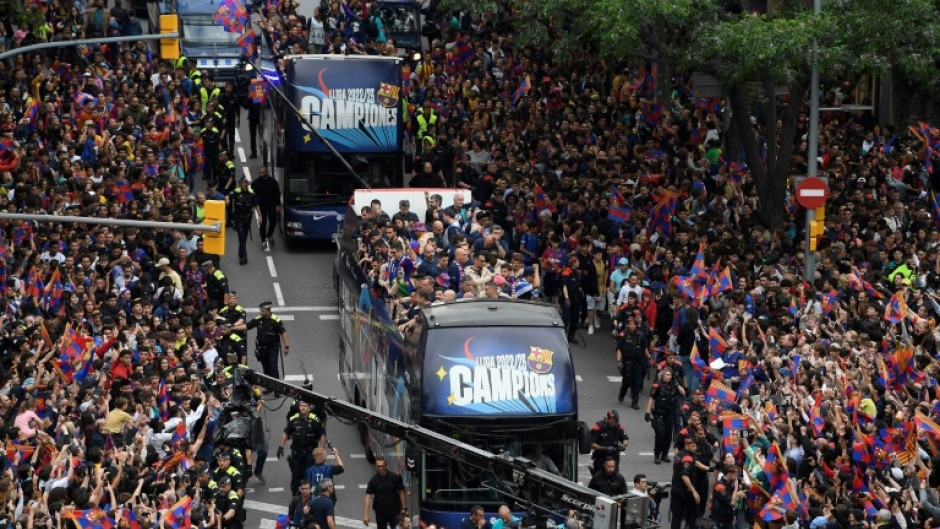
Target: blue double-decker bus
(354,103)
(496,374)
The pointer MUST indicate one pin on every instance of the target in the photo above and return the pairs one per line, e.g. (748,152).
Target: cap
(623,261)
(203,470)
(243,179)
(265,305)
(163,262)
(224,455)
(224,480)
(499,281)
(207,262)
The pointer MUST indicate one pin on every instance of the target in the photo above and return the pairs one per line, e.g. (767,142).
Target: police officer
(212,144)
(725,495)
(216,283)
(685,498)
(229,506)
(227,182)
(207,487)
(254,124)
(425,118)
(695,405)
(226,469)
(208,91)
(271,334)
(632,360)
(268,192)
(306,432)
(244,202)
(704,452)
(661,410)
(607,440)
(608,481)
(236,316)
(228,100)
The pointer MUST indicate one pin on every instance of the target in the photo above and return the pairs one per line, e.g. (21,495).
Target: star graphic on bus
(450,399)
(307,138)
(441,373)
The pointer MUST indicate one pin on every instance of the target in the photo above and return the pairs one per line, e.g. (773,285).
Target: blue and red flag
(732,425)
(815,416)
(6,144)
(124,193)
(541,200)
(698,266)
(248,42)
(132,522)
(258,92)
(521,90)
(463,52)
(718,391)
(896,310)
(21,233)
(716,343)
(177,517)
(618,211)
(14,449)
(926,424)
(660,220)
(179,433)
(724,282)
(282,521)
(698,364)
(163,400)
(936,210)
(91,519)
(771,410)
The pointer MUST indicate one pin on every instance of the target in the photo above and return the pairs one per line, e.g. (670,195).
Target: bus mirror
(584,438)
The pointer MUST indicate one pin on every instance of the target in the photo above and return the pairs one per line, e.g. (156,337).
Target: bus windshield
(316,178)
(449,485)
(202,29)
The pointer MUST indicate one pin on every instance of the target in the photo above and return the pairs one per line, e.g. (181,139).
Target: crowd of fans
(592,187)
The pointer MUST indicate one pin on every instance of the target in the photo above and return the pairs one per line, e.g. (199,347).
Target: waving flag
(926,424)
(177,517)
(464,52)
(124,193)
(896,310)
(618,211)
(698,266)
(660,220)
(716,344)
(718,391)
(179,433)
(14,449)
(815,416)
(91,519)
(65,370)
(22,232)
(522,90)
(541,200)
(132,522)
(85,368)
(732,426)
(248,42)
(6,144)
(775,467)
(936,210)
(32,112)
(282,521)
(771,410)
(698,364)
(163,401)
(258,91)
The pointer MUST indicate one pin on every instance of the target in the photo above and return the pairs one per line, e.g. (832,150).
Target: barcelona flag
(522,90)
(732,426)
(541,200)
(91,519)
(179,433)
(178,515)
(282,521)
(718,391)
(896,310)
(258,93)
(926,424)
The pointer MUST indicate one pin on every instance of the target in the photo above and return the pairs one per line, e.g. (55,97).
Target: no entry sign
(812,192)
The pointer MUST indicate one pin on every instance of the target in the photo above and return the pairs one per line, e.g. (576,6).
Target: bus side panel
(313,222)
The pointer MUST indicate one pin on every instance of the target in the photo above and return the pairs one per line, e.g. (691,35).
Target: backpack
(372,28)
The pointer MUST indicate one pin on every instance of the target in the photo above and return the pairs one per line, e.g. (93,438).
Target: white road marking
(241,155)
(238,138)
(267,523)
(614,378)
(271,269)
(286,317)
(329,316)
(271,459)
(363,486)
(339,487)
(645,454)
(276,489)
(297,378)
(357,456)
(247,173)
(324,308)
(278,294)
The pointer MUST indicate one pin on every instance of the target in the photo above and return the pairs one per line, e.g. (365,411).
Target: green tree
(750,54)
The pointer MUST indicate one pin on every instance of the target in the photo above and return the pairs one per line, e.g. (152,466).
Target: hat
(690,441)
(164,262)
(224,480)
(623,261)
(243,179)
(499,281)
(265,305)
(207,262)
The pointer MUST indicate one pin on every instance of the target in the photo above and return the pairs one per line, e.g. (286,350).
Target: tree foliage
(747,51)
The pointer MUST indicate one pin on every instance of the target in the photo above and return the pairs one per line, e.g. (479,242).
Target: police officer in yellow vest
(271,334)
(229,505)
(207,91)
(227,470)
(306,433)
(425,117)
(211,143)
(216,283)
(236,316)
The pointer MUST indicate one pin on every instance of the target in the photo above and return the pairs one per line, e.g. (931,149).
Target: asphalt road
(298,281)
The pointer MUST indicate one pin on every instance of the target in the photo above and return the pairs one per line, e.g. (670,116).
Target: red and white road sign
(812,192)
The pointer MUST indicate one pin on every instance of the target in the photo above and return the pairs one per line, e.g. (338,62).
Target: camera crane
(540,492)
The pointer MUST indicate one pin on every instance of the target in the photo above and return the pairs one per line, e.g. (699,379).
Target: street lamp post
(812,162)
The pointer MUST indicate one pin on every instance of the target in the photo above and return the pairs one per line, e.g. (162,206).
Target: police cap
(265,305)
(225,480)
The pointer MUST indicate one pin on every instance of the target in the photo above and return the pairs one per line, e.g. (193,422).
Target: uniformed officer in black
(632,361)
(254,124)
(228,505)
(704,453)
(685,498)
(306,432)
(725,495)
(244,202)
(607,440)
(695,405)
(227,183)
(268,192)
(227,469)
(216,283)
(235,317)
(608,481)
(271,334)
(212,144)
(661,410)
(207,487)
(229,100)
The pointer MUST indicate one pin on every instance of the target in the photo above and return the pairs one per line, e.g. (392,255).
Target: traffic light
(817,227)
(169,48)
(214,212)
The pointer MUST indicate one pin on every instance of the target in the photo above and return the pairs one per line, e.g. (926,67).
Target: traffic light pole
(88,42)
(812,162)
(214,227)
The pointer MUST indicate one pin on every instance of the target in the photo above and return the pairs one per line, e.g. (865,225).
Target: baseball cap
(163,262)
(623,261)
